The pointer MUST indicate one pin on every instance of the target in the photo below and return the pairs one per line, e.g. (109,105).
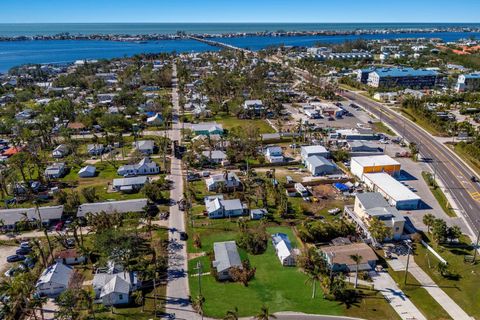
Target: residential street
(178,304)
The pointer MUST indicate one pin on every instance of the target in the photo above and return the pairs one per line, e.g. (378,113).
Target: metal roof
(135,205)
(226,255)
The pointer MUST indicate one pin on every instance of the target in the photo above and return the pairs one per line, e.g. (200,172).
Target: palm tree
(428,220)
(357,259)
(314,276)
(265,314)
(231,314)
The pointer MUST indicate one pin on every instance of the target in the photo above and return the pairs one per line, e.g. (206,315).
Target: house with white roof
(61,151)
(54,280)
(131,184)
(217,207)
(87,172)
(48,215)
(155,120)
(226,257)
(114,286)
(320,166)
(228,180)
(206,128)
(274,154)
(145,167)
(109,207)
(317,150)
(144,146)
(215,156)
(56,170)
(283,248)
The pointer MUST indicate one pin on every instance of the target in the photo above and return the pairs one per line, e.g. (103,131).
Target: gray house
(319,166)
(129,184)
(144,146)
(217,207)
(56,170)
(226,257)
(87,172)
(144,167)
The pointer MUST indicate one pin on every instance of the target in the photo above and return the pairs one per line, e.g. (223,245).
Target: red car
(59,226)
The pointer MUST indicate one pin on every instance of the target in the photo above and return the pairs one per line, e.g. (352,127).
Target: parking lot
(6,251)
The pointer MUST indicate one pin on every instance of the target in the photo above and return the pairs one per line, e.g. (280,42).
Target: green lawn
(440,197)
(229,122)
(382,128)
(419,296)
(464,291)
(279,288)
(472,161)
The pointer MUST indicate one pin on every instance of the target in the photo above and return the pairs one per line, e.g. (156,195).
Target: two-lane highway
(453,173)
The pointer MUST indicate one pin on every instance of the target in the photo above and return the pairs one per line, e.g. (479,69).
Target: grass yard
(229,122)
(279,288)
(472,161)
(428,306)
(440,197)
(382,128)
(463,291)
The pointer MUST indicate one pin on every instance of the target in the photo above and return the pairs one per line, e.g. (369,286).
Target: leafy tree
(254,240)
(153,192)
(244,274)
(67,305)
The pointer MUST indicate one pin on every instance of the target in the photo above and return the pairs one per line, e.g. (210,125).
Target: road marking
(475,196)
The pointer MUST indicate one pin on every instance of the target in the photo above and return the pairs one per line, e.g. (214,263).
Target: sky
(328,11)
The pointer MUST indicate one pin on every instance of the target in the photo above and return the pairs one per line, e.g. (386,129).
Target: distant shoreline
(181,34)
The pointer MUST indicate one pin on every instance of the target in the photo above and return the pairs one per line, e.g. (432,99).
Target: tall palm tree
(265,314)
(428,220)
(231,314)
(314,276)
(357,259)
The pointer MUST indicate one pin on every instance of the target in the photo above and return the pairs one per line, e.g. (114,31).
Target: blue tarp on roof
(341,187)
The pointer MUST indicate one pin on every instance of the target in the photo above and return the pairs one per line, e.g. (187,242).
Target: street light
(475,249)
(408,244)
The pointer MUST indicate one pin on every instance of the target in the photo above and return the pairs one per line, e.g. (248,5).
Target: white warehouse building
(394,192)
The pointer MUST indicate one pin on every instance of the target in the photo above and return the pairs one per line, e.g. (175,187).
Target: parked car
(183,236)
(15,258)
(25,244)
(474,179)
(10,273)
(23,251)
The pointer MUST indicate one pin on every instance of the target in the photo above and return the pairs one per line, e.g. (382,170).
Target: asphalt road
(178,304)
(448,167)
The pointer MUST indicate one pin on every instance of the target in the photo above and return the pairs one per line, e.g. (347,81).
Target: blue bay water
(63,51)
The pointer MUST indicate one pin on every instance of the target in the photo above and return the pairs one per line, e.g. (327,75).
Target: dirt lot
(6,251)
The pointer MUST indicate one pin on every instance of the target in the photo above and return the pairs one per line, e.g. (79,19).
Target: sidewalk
(447,303)
(384,283)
